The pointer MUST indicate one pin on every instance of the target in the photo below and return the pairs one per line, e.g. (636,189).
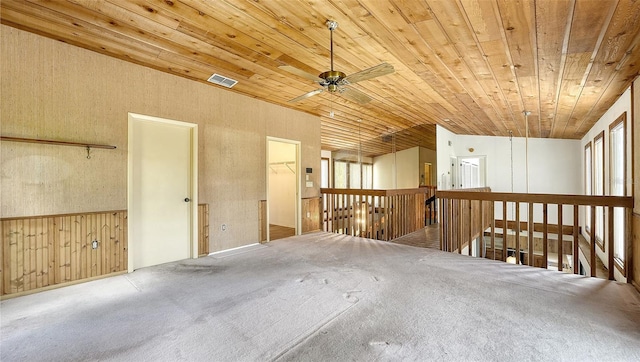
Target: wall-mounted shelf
(88,146)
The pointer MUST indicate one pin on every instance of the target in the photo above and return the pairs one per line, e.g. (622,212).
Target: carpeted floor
(327,297)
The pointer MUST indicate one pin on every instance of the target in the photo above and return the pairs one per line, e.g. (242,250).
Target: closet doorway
(283,188)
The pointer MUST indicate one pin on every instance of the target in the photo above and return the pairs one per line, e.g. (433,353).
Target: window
(617,184)
(351,175)
(588,171)
(471,172)
(367,176)
(324,173)
(598,185)
(355,176)
(340,174)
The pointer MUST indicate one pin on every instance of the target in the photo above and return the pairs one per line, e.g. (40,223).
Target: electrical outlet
(308,214)
(223,227)
(94,244)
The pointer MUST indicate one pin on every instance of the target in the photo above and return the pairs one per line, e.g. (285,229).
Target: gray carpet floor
(327,297)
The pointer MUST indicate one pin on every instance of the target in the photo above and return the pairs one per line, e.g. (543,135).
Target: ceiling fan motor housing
(332,79)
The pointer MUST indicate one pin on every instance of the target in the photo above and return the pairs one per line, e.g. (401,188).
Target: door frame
(193,188)
(298,203)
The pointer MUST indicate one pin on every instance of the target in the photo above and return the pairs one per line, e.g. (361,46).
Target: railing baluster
(628,237)
(610,242)
(517,225)
(452,225)
(560,237)
(344,211)
(470,226)
(505,226)
(576,259)
(545,236)
(442,225)
(592,260)
(530,227)
(461,228)
(387,221)
(492,215)
(481,229)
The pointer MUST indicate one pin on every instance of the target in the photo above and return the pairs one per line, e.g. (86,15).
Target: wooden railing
(473,223)
(376,214)
(464,221)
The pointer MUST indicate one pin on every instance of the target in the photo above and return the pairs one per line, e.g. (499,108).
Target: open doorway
(471,173)
(468,172)
(282,188)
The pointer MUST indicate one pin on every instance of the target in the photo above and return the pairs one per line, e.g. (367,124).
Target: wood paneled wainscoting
(536,229)
(377,214)
(42,252)
(203,229)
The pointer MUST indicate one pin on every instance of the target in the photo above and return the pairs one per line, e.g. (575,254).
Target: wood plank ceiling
(472,66)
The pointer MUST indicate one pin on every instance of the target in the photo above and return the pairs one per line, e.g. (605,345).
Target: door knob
(186,199)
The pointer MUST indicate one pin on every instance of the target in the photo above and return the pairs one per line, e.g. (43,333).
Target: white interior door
(160,191)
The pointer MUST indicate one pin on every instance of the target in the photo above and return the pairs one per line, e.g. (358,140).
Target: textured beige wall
(52,90)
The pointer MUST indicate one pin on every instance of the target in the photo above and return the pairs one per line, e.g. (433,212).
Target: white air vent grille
(223,81)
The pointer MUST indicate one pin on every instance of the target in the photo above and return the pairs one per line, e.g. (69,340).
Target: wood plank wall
(312,207)
(43,251)
(203,229)
(262,220)
(38,252)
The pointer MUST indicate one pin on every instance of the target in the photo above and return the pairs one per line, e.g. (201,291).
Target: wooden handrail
(615,201)
(366,192)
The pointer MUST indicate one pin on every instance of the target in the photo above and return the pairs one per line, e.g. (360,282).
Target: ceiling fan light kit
(335,81)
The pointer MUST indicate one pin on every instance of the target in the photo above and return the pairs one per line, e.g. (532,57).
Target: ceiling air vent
(223,81)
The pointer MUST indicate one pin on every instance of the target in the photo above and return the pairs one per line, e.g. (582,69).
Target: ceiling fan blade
(300,73)
(377,71)
(355,95)
(307,95)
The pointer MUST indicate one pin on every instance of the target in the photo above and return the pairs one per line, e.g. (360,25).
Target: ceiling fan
(337,82)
